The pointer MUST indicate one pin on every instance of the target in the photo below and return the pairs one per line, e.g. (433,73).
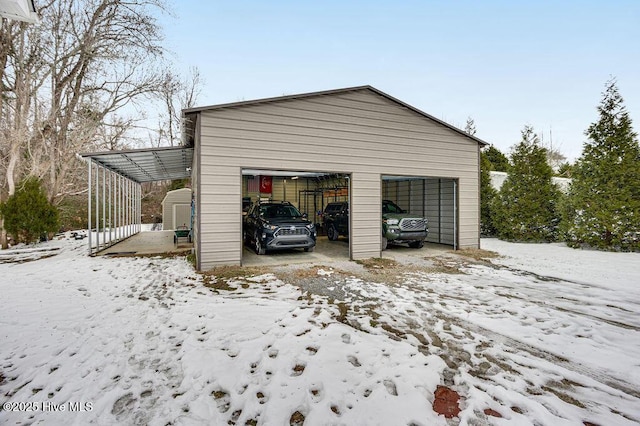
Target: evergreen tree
(604,201)
(487,194)
(525,208)
(499,161)
(28,214)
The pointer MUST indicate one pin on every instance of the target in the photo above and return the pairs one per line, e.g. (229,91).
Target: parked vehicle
(277,225)
(397,225)
(335,219)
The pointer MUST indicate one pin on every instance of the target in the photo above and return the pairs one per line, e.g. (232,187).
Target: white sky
(504,63)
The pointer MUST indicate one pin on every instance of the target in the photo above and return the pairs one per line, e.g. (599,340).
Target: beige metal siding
(195,187)
(355,132)
(365,211)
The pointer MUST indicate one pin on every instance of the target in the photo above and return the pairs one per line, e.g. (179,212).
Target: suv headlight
(271,227)
(310,226)
(392,221)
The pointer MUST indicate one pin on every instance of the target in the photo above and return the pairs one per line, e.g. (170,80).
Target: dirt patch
(219,278)
(476,254)
(296,419)
(376,264)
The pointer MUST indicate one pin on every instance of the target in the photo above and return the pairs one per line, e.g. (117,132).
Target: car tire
(385,243)
(310,249)
(416,244)
(332,232)
(258,247)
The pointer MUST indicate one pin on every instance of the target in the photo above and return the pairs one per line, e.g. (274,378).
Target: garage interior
(431,197)
(309,192)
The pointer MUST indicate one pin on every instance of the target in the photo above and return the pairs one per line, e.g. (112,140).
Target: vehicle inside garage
(308,193)
(433,198)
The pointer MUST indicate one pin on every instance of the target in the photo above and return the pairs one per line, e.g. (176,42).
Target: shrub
(28,214)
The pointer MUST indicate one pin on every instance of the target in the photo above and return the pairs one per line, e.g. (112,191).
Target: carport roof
(147,164)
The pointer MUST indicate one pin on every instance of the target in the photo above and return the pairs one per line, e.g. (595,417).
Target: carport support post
(121,203)
(90,163)
(97,208)
(104,206)
(129,206)
(139,207)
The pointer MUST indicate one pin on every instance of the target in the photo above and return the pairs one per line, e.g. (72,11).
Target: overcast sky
(503,63)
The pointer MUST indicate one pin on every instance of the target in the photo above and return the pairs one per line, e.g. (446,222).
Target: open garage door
(433,198)
(307,192)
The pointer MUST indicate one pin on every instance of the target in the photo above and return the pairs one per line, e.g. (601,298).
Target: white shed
(176,209)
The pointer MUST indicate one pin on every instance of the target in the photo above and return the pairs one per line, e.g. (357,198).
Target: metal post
(455,214)
(90,163)
(120,209)
(128,212)
(139,193)
(110,206)
(104,206)
(97,208)
(116,207)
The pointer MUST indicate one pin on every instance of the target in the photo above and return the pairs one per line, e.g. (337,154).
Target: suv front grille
(413,224)
(297,230)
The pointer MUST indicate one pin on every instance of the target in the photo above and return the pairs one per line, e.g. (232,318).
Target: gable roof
(333,92)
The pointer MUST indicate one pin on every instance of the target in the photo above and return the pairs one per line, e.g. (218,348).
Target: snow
(543,335)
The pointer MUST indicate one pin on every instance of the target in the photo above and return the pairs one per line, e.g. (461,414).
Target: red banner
(266,184)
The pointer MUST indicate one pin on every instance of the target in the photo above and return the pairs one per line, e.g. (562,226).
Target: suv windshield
(391,207)
(280,211)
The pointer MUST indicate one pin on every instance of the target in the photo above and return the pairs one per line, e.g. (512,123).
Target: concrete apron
(327,251)
(160,242)
(151,242)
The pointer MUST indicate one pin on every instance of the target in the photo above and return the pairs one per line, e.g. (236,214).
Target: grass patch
(219,278)
(477,254)
(374,264)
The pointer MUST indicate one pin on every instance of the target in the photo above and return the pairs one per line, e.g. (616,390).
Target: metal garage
(358,132)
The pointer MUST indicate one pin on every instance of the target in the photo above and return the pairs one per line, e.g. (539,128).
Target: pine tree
(499,161)
(525,208)
(28,214)
(487,194)
(604,201)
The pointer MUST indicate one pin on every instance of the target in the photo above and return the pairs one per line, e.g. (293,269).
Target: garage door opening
(268,237)
(433,198)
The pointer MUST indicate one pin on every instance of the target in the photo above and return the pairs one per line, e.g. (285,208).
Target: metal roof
(147,164)
(333,92)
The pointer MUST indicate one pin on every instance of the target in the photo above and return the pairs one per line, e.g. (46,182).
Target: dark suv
(397,225)
(277,225)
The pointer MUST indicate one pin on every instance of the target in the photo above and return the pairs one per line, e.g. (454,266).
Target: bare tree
(65,82)
(176,94)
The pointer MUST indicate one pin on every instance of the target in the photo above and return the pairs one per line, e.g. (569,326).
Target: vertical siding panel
(221,228)
(365,238)
(447,212)
(432,189)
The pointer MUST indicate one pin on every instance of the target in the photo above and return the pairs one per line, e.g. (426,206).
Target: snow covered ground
(544,335)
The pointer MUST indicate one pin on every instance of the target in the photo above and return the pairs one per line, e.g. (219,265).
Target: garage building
(358,142)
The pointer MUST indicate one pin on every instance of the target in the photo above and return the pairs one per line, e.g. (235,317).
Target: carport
(114,188)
